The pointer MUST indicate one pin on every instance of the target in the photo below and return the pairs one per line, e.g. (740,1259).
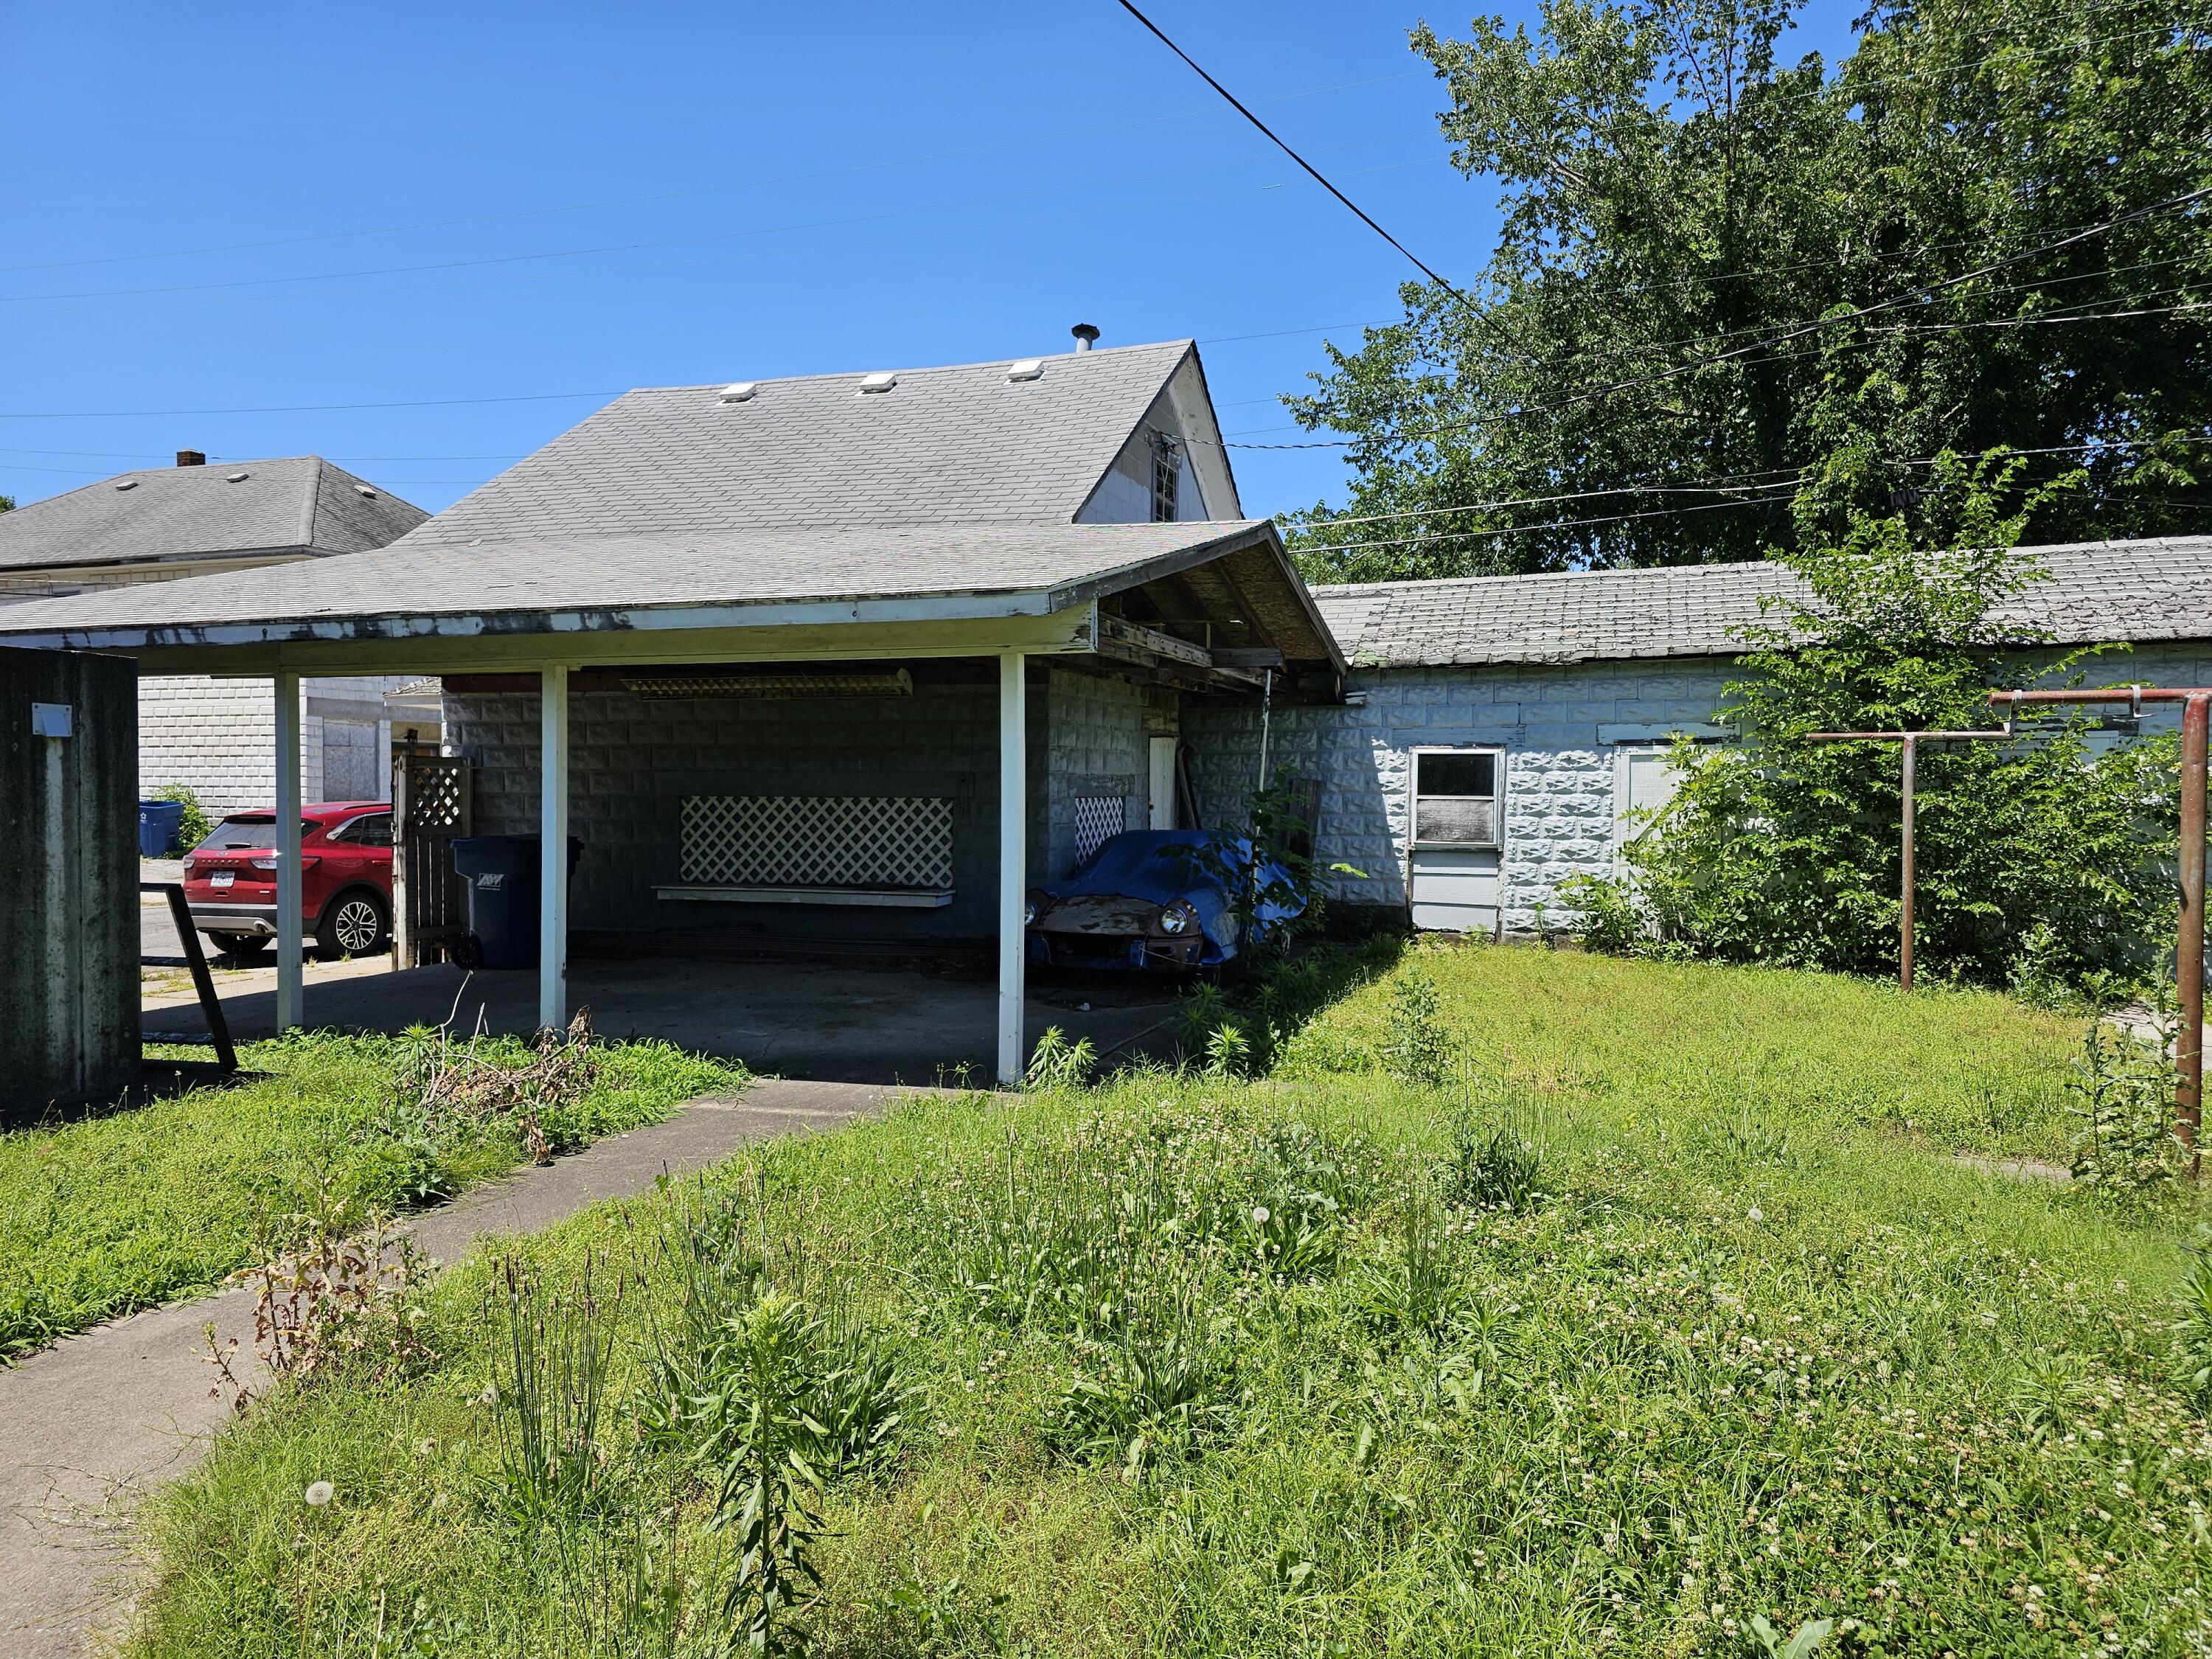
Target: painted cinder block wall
(1559,805)
(218,737)
(633,760)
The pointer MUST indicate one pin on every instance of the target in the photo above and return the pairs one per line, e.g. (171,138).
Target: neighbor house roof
(966,444)
(2096,592)
(302,506)
(555,582)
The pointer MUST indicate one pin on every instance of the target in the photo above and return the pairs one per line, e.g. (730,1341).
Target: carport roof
(588,583)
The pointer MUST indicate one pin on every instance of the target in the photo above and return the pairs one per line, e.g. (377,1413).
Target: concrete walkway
(96,1420)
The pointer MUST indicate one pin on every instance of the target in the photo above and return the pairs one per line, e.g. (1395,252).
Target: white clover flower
(320,1494)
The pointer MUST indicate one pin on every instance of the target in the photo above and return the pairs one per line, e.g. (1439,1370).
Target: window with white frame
(1455,797)
(1167,473)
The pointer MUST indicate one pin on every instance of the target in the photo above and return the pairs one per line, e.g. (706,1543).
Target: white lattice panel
(818,841)
(1098,817)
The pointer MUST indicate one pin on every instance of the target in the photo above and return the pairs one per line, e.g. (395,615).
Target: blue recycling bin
(501,871)
(159,822)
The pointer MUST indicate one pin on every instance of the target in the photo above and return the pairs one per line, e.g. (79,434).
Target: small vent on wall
(896,684)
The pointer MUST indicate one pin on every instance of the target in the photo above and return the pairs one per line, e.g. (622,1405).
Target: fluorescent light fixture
(1028,368)
(882,382)
(740,392)
(712,684)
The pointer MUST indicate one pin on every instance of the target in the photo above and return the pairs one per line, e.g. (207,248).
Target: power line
(687,195)
(1786,332)
(1781,478)
(303,408)
(1311,171)
(1531,529)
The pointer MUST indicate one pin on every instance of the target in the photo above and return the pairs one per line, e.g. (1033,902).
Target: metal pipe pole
(2195,703)
(1908,742)
(1910,747)
(2189,944)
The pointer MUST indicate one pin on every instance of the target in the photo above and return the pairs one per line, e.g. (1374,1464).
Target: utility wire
(685,195)
(1771,478)
(1312,171)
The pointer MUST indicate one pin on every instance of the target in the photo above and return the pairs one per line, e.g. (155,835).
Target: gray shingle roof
(2097,591)
(300,505)
(945,445)
(567,573)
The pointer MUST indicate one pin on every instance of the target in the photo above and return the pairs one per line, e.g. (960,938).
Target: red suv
(345,878)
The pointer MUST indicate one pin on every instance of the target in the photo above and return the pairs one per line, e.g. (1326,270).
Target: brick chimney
(192,458)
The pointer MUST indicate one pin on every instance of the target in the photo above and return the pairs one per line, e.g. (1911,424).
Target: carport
(742,605)
(863,656)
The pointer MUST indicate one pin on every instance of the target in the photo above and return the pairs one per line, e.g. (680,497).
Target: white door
(1645,779)
(1453,814)
(1163,788)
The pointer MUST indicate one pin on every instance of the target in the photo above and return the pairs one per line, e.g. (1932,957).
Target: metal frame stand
(2195,703)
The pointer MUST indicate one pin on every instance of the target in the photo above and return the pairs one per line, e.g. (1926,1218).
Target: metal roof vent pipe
(1086,336)
(192,458)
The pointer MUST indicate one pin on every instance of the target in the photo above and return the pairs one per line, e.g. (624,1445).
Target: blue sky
(579,199)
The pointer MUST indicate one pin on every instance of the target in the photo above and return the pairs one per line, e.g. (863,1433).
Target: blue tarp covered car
(1153,899)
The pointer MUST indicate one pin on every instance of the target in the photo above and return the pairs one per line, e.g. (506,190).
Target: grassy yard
(1321,1364)
(104,1216)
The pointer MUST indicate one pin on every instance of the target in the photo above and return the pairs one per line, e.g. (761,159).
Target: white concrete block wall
(1095,744)
(219,736)
(1560,803)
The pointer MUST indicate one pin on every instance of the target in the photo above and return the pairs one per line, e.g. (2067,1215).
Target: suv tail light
(307,861)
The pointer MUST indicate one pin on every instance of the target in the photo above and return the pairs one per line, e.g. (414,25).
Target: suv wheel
(354,925)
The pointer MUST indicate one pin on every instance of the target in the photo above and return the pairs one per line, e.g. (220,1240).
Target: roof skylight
(1028,368)
(879,382)
(126,483)
(740,392)
(363,489)
(238,477)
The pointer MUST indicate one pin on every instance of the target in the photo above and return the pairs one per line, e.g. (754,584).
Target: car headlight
(1177,918)
(1034,905)
(1029,913)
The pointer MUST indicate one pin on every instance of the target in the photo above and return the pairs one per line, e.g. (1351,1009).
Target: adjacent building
(168,524)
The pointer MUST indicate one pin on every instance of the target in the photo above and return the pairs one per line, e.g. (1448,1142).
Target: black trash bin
(502,872)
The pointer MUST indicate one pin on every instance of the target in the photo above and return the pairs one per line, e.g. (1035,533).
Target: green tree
(1781,850)
(1715,266)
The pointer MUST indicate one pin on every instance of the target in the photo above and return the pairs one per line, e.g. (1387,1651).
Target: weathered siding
(1559,805)
(219,738)
(69,981)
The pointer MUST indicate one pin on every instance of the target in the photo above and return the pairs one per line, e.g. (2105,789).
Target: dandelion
(320,1494)
(1259,1215)
(1756,1214)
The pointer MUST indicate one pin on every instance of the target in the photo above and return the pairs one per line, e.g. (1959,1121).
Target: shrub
(2123,1091)
(1786,851)
(1419,1049)
(195,826)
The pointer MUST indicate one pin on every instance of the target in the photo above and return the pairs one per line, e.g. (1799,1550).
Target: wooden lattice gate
(429,808)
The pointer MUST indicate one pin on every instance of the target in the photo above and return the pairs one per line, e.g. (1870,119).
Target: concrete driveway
(840,1022)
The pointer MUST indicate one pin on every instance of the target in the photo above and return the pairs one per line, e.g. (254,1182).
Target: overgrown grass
(105,1216)
(1671,1309)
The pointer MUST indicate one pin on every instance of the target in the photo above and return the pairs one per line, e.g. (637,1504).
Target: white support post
(553,850)
(1013,800)
(291,974)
